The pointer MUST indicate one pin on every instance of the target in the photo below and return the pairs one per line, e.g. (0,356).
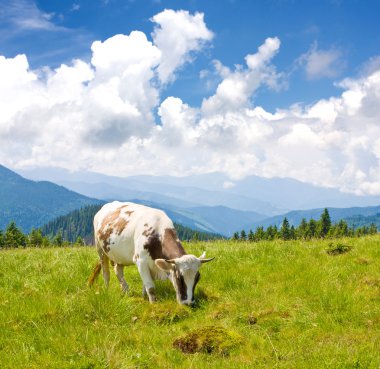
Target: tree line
(13,237)
(322,228)
(76,229)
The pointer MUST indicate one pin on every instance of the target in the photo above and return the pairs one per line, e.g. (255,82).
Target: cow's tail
(95,273)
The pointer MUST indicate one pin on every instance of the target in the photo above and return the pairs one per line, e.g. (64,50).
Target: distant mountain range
(266,196)
(32,204)
(210,203)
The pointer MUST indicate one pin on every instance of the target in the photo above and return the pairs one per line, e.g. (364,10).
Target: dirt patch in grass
(363,261)
(263,316)
(372,282)
(273,312)
(208,340)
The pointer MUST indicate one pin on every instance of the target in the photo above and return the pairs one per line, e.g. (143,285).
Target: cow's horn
(203,255)
(206,260)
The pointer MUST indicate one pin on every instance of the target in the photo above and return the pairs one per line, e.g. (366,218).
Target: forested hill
(79,223)
(32,204)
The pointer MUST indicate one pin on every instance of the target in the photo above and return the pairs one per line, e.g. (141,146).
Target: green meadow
(278,304)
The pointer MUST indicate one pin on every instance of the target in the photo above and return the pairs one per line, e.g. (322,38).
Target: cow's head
(184,274)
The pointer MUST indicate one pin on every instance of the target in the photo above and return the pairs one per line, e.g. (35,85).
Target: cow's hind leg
(104,261)
(120,276)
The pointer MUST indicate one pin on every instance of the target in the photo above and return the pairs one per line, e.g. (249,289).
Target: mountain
(213,202)
(80,223)
(268,196)
(364,214)
(186,192)
(215,219)
(31,204)
(360,220)
(225,220)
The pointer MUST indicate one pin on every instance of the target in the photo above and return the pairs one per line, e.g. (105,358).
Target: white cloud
(322,63)
(177,34)
(100,116)
(237,87)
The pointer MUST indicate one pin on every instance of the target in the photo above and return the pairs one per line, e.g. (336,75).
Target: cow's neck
(171,247)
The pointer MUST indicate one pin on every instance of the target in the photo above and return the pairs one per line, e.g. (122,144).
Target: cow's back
(121,228)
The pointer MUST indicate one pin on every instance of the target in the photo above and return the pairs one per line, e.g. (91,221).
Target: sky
(274,88)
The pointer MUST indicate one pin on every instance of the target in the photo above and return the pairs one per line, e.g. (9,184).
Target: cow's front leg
(144,293)
(148,284)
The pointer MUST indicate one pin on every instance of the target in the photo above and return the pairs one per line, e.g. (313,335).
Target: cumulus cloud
(238,86)
(177,34)
(106,115)
(322,63)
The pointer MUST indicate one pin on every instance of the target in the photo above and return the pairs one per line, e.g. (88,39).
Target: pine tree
(58,239)
(285,229)
(235,237)
(372,228)
(243,235)
(292,233)
(260,234)
(302,229)
(270,233)
(35,238)
(311,229)
(325,223)
(13,236)
(342,229)
(251,236)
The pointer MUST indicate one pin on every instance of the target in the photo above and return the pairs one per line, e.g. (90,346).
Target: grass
(291,304)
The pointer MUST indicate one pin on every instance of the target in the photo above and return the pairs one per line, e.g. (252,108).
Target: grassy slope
(313,310)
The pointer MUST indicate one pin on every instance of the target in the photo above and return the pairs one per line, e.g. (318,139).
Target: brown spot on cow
(146,225)
(168,248)
(104,235)
(110,219)
(120,225)
(171,245)
(110,222)
(129,213)
(148,232)
(153,246)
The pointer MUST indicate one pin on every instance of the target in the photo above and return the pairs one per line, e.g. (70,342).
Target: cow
(127,233)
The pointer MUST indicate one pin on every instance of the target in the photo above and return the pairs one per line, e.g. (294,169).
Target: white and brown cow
(128,233)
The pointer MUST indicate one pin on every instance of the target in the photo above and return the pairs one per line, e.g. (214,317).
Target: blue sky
(274,88)
(350,28)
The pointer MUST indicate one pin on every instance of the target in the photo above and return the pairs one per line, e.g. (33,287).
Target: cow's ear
(164,265)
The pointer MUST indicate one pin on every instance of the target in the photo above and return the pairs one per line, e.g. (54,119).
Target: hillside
(360,220)
(80,223)
(32,204)
(283,304)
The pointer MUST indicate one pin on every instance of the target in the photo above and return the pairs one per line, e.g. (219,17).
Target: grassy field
(290,305)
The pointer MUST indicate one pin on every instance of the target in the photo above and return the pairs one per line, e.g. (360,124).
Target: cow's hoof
(125,291)
(151,295)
